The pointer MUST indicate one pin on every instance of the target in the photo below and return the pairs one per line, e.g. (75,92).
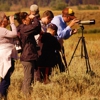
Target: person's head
(34,10)
(23,18)
(47,17)
(52,29)
(68,14)
(3,20)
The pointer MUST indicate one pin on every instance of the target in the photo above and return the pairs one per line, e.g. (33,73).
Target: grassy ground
(73,84)
(77,85)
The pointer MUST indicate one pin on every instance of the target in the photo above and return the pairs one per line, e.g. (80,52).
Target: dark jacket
(50,45)
(27,32)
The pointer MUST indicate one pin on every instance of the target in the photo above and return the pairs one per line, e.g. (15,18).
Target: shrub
(4,7)
(58,5)
(88,7)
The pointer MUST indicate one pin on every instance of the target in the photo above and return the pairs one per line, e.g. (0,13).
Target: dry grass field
(75,83)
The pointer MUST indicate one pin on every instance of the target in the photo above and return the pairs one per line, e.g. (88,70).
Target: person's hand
(74,31)
(31,16)
(73,22)
(11,19)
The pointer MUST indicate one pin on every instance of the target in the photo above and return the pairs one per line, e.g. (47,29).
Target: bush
(88,7)
(94,31)
(4,7)
(58,6)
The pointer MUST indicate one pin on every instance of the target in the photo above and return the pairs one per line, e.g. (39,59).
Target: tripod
(84,52)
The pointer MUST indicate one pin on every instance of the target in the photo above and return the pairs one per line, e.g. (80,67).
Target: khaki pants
(28,76)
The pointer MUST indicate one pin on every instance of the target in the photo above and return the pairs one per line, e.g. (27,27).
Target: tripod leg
(74,51)
(63,56)
(86,56)
(64,59)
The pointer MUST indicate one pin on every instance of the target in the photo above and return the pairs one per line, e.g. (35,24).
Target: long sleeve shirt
(27,33)
(63,30)
(7,49)
(6,36)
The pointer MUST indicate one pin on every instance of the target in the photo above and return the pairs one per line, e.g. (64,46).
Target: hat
(34,8)
(68,11)
(53,26)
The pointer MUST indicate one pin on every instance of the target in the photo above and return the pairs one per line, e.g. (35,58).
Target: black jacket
(27,32)
(50,45)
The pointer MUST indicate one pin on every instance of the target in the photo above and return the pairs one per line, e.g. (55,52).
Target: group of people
(41,40)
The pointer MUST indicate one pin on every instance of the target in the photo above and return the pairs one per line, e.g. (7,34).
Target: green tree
(74,2)
(4,7)
(58,4)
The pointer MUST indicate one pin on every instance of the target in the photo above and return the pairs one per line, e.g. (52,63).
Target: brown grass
(77,85)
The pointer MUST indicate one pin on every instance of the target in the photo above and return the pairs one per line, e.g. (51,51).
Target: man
(47,16)
(34,10)
(64,30)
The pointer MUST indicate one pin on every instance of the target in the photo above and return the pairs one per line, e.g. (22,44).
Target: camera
(15,17)
(87,22)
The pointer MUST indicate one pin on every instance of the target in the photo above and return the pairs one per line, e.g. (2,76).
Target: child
(47,59)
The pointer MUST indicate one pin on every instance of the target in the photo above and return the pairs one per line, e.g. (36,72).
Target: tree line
(59,4)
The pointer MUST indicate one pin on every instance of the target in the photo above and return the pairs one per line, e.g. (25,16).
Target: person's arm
(35,27)
(63,30)
(13,32)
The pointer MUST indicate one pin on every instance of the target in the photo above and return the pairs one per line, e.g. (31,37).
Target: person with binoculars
(8,52)
(27,29)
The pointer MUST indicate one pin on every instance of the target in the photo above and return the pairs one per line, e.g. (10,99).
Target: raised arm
(13,32)
(34,28)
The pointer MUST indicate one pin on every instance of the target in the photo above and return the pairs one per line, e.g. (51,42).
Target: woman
(27,30)
(7,52)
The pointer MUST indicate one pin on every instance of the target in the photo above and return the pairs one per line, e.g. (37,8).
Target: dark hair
(53,27)
(20,16)
(48,13)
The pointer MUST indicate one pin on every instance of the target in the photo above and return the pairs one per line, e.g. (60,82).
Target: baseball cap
(68,11)
(53,26)
(34,8)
